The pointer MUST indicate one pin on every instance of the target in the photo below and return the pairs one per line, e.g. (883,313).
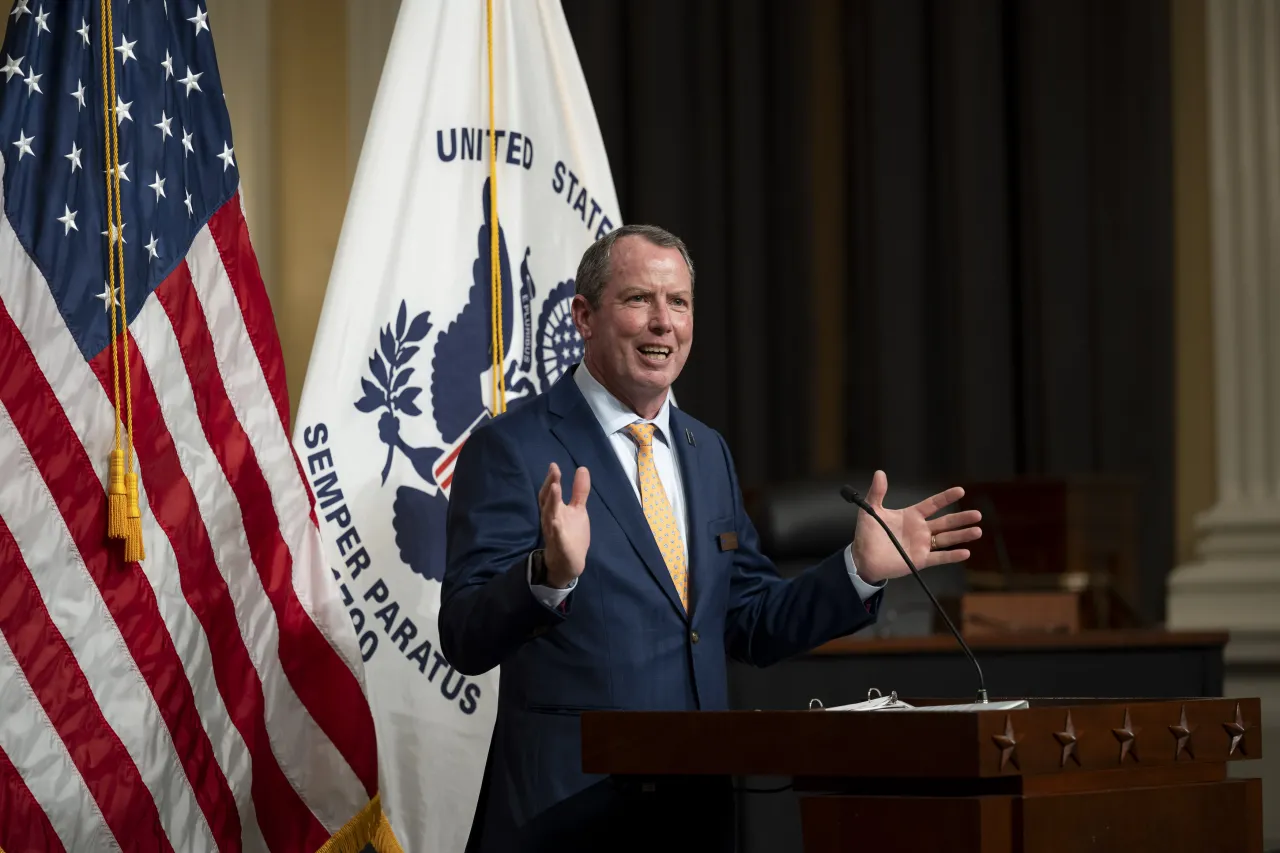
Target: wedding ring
(933,542)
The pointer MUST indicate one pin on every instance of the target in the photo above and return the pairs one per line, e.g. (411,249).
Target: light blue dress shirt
(614,417)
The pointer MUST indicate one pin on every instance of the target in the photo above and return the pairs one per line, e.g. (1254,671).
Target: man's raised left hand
(928,541)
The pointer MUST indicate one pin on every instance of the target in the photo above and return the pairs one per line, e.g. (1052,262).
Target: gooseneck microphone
(850,494)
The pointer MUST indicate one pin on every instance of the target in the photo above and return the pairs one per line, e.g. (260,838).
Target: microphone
(850,494)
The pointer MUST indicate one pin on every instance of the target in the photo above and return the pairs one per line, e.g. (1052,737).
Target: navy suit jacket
(621,640)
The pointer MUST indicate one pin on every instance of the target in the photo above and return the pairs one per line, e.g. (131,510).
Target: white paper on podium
(893,703)
(1005,705)
(880,703)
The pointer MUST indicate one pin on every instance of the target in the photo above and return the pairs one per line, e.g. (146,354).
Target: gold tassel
(117,503)
(133,550)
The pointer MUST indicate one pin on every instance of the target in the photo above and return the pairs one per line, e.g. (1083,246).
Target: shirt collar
(611,413)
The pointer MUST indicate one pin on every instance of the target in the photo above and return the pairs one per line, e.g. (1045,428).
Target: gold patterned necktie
(657,509)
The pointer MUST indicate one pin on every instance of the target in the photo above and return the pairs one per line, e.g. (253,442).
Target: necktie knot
(641,434)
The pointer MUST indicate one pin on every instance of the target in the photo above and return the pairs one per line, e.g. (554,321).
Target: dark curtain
(1002,173)
(702,107)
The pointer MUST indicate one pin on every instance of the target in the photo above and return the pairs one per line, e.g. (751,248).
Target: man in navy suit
(633,593)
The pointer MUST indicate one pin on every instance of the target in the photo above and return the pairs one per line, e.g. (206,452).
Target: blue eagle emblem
(463,353)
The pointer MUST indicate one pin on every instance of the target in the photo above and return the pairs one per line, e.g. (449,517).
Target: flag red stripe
(321,679)
(127,593)
(231,235)
(59,684)
(24,826)
(285,821)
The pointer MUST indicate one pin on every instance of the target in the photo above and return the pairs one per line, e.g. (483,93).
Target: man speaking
(599,552)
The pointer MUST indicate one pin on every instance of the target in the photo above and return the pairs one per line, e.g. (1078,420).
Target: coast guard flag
(208,697)
(401,373)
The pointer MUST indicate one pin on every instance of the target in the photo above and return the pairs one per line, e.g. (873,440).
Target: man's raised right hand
(565,527)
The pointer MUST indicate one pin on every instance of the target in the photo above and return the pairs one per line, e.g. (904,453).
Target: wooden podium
(1062,775)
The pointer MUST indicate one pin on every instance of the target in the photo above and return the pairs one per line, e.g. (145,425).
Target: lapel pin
(688,435)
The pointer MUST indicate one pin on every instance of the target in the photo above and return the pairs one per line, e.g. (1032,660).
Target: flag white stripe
(80,616)
(41,759)
(308,759)
(91,415)
(245,381)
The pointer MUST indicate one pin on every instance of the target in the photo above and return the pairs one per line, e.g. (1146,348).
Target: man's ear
(583,315)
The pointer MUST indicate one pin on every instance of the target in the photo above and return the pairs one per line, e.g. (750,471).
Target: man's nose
(660,317)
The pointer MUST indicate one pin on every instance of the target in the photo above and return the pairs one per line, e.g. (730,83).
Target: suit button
(694,636)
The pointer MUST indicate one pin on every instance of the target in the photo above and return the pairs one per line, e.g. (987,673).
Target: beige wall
(301,77)
(309,128)
(327,60)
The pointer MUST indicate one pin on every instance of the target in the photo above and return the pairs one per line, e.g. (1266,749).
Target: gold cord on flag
(117,506)
(495,264)
(124,519)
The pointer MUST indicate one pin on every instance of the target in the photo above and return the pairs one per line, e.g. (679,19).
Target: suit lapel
(580,433)
(687,455)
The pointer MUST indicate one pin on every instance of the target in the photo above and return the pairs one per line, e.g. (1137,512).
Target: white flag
(401,371)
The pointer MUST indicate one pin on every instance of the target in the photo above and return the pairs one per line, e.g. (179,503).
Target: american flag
(209,697)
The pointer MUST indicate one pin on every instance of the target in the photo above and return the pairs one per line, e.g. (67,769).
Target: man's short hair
(593,269)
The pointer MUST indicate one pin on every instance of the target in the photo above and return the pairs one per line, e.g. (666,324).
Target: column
(1234,581)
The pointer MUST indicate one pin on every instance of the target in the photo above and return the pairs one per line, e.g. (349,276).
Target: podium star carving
(1183,733)
(1007,743)
(1237,730)
(1128,738)
(1068,741)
